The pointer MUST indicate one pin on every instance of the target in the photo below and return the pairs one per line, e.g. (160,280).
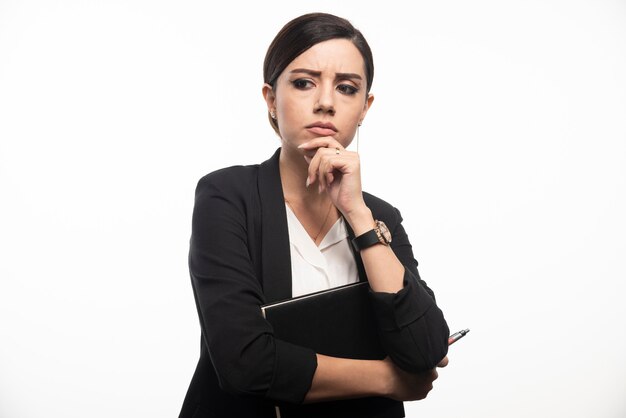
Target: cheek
(353,114)
(290,110)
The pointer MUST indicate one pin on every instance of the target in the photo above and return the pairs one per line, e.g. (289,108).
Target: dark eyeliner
(301,83)
(348,89)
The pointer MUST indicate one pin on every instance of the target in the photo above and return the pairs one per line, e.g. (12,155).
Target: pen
(457,336)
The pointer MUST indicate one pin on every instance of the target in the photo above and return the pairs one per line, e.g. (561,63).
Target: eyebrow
(319,73)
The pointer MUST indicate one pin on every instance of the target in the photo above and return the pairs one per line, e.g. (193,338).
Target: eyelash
(299,83)
(304,84)
(347,89)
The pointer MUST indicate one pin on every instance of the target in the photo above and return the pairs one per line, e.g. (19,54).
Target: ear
(269,96)
(366,107)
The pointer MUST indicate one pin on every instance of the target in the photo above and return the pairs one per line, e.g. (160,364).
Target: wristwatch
(380,234)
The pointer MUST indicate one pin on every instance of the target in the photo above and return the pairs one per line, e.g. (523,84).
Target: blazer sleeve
(413,330)
(247,358)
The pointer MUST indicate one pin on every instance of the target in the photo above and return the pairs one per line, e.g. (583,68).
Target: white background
(506,120)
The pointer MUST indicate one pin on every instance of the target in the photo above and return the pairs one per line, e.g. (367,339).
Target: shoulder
(229,181)
(238,179)
(227,193)
(382,210)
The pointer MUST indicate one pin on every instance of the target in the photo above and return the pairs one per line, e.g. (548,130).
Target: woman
(283,228)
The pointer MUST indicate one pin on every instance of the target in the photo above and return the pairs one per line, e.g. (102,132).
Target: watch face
(384,232)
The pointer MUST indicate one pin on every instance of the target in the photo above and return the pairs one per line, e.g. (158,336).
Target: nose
(325,100)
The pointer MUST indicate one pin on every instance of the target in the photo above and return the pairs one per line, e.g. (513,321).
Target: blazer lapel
(275,248)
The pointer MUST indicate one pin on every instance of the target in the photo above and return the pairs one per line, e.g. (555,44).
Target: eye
(302,84)
(347,89)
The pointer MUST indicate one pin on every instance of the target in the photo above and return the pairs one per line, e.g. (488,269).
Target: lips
(322,128)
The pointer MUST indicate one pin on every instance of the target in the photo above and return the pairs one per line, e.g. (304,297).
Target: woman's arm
(246,356)
(339,378)
(384,271)
(413,330)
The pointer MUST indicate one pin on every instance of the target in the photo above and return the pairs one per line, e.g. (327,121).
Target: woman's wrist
(381,377)
(360,220)
(385,379)
(340,378)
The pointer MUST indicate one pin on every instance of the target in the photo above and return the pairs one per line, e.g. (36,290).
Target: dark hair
(306,31)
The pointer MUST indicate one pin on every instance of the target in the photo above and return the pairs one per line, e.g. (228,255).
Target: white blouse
(316,268)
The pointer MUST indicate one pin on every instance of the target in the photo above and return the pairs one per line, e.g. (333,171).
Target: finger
(444,362)
(429,375)
(326,170)
(324,167)
(329,179)
(330,167)
(321,142)
(314,163)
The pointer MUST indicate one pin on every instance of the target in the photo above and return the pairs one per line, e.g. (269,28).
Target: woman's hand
(443,362)
(336,171)
(344,378)
(405,386)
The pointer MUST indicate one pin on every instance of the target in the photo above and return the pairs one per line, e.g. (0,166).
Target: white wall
(506,118)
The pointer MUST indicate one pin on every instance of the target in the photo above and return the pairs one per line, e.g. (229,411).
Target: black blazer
(239,259)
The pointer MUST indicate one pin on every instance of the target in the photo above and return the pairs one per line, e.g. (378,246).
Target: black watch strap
(365,240)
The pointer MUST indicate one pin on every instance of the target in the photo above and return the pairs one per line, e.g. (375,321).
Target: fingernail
(308,182)
(302,145)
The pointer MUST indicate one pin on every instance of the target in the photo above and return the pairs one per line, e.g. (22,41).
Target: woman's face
(320,93)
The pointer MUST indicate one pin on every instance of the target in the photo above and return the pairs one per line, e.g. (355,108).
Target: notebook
(337,322)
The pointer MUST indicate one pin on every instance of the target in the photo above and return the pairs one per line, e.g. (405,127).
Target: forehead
(335,55)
